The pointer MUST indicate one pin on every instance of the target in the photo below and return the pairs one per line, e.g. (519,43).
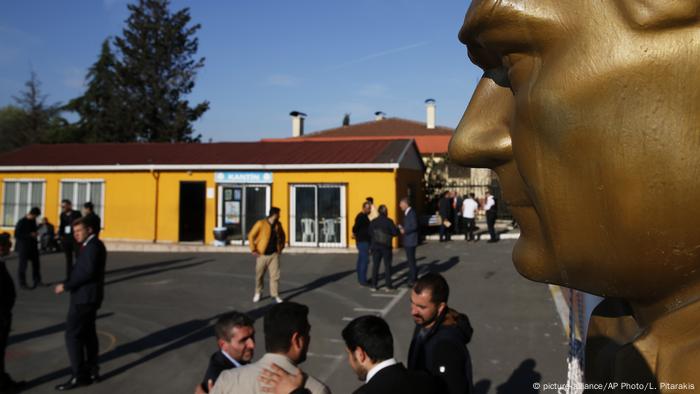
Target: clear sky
(265,58)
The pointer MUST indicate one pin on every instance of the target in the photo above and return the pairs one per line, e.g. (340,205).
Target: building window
(81,191)
(18,198)
(317,216)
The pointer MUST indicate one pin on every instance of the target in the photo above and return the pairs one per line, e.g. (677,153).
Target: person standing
(370,348)
(360,232)
(7,302)
(381,232)
(456,212)
(491,209)
(28,248)
(235,336)
(89,212)
(287,339)
(409,230)
(373,212)
(86,287)
(266,240)
(445,210)
(469,209)
(439,345)
(65,229)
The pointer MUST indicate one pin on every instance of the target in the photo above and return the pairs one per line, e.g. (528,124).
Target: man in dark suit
(235,335)
(65,233)
(382,230)
(86,287)
(409,229)
(7,301)
(370,348)
(89,212)
(28,248)
(445,210)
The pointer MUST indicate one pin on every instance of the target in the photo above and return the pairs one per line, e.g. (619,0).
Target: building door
(192,211)
(318,215)
(240,207)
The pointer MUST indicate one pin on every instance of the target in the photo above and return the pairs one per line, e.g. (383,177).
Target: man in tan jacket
(266,240)
(287,338)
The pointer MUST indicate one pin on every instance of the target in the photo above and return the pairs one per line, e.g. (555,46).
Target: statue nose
(482,138)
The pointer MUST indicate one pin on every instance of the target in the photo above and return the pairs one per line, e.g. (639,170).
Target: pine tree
(101,109)
(41,122)
(157,70)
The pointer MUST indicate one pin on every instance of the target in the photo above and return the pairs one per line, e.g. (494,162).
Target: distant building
(432,142)
(169,193)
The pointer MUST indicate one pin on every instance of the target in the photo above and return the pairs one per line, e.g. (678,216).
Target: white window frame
(17,181)
(76,181)
(343,216)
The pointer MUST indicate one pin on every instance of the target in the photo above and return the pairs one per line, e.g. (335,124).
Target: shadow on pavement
(521,380)
(482,387)
(141,267)
(158,271)
(56,328)
(315,284)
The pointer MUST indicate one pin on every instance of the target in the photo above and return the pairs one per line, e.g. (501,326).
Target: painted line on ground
(367,310)
(383,295)
(393,302)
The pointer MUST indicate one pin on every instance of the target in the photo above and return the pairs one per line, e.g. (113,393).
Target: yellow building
(181,192)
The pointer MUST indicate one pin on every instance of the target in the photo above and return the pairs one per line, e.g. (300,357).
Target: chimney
(379,115)
(430,113)
(297,123)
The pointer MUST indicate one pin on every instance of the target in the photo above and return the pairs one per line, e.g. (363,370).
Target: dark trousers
(81,339)
(379,254)
(28,252)
(411,260)
(491,223)
(70,251)
(362,262)
(444,233)
(5,323)
(469,225)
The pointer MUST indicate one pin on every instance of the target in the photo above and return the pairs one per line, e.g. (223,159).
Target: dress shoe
(95,377)
(73,383)
(389,288)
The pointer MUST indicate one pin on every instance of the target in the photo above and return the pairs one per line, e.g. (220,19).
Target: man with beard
(440,339)
(235,336)
(287,338)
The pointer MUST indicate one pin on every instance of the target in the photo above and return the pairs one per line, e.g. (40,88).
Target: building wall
(130,197)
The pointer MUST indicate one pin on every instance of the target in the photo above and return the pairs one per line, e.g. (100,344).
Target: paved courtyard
(156,335)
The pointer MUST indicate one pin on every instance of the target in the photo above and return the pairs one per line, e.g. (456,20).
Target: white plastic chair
(307,230)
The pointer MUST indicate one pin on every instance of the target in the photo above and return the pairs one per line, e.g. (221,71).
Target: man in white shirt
(469,209)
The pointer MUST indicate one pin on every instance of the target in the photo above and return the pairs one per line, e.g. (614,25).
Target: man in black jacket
(28,248)
(381,232)
(89,213)
(65,233)
(360,232)
(86,287)
(235,335)
(7,302)
(445,210)
(370,348)
(409,230)
(439,344)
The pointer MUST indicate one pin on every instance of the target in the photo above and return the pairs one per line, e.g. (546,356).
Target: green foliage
(157,70)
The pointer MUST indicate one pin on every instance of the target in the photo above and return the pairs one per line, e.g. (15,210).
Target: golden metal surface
(588,111)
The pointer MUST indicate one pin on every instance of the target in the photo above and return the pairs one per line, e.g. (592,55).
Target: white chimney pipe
(430,113)
(297,123)
(379,115)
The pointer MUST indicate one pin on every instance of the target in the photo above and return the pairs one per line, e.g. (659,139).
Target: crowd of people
(86,258)
(438,360)
(457,214)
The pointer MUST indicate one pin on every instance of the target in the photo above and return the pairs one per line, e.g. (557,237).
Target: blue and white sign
(243,177)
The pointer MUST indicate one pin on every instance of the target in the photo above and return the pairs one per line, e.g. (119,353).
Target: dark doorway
(192,211)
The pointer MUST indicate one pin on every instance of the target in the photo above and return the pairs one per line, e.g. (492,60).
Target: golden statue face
(589,112)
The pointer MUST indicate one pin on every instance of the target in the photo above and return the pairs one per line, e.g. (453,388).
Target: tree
(102,107)
(157,70)
(32,120)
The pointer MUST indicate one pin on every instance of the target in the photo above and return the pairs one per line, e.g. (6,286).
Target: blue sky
(265,58)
